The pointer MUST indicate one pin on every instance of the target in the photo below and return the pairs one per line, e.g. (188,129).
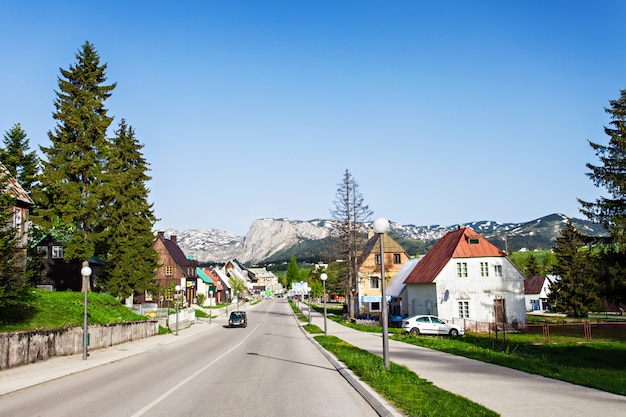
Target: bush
(201,299)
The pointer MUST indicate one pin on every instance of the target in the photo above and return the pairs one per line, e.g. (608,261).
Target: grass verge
(596,365)
(400,386)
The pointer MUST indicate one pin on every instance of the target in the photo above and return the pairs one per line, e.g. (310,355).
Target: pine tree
(17,157)
(532,267)
(293,272)
(576,292)
(13,280)
(71,192)
(128,237)
(610,211)
(350,213)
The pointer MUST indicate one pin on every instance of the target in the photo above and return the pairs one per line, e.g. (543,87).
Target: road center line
(169,392)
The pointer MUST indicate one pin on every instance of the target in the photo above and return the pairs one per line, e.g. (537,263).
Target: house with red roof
(537,289)
(466,279)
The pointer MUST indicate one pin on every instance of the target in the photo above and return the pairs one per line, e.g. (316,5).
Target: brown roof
(373,245)
(15,188)
(533,285)
(460,243)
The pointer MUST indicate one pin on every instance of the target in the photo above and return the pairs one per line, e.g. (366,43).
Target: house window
(474,241)
(17,218)
(377,259)
(497,270)
(484,269)
(374,306)
(57,252)
(169,270)
(461,269)
(396,258)
(43,251)
(374,282)
(464,309)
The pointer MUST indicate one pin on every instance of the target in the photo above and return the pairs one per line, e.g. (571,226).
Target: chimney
(173,238)
(161,235)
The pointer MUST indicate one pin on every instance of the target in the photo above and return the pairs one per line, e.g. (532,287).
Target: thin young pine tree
(350,214)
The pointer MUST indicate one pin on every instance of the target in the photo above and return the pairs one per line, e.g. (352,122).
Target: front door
(499,310)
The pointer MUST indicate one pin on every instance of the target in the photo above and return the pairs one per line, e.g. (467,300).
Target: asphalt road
(266,369)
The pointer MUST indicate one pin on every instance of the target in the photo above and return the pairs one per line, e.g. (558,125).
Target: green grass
(201,314)
(600,365)
(60,310)
(411,394)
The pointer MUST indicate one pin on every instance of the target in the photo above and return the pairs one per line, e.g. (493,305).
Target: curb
(378,403)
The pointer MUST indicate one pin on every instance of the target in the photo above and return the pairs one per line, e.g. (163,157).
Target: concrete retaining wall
(22,348)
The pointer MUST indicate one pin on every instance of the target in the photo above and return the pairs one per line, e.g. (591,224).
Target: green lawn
(60,310)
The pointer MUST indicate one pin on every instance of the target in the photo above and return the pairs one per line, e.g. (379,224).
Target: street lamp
(210,305)
(176,304)
(381,226)
(85,272)
(324,277)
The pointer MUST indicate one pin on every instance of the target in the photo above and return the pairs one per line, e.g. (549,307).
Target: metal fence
(550,332)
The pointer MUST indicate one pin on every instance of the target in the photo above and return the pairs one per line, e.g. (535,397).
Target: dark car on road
(238,318)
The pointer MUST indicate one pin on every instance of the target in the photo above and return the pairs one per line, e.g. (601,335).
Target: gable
(460,243)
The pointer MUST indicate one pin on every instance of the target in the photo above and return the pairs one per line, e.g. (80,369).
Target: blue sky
(444,112)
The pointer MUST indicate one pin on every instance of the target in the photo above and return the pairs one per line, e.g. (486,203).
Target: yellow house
(368,272)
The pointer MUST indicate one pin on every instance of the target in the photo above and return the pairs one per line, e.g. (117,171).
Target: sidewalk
(506,391)
(29,375)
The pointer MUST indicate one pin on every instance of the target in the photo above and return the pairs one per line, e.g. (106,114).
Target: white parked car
(430,325)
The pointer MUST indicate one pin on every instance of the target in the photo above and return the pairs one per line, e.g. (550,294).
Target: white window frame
(372,309)
(484,269)
(461,269)
(464,309)
(57,252)
(374,279)
(497,270)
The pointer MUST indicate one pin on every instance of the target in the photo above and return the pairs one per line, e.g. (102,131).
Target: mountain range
(269,238)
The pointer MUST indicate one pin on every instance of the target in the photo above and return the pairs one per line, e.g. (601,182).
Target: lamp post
(210,305)
(85,272)
(176,305)
(309,288)
(324,277)
(381,226)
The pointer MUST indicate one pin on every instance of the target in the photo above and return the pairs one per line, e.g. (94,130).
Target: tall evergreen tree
(610,210)
(576,292)
(293,272)
(72,187)
(350,213)
(13,280)
(128,237)
(17,157)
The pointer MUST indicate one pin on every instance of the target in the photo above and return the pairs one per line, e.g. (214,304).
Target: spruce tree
(610,210)
(71,192)
(532,267)
(576,291)
(350,213)
(13,280)
(128,237)
(16,156)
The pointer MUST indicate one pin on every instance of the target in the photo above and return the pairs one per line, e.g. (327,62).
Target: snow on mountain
(268,236)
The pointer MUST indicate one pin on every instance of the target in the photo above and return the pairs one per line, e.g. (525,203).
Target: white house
(537,289)
(466,279)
